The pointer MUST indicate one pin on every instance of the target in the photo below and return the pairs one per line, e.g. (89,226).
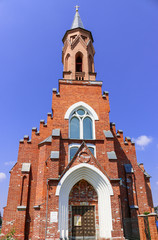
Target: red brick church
(77,177)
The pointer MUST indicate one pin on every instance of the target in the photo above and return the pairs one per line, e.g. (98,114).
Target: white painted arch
(103,188)
(81,104)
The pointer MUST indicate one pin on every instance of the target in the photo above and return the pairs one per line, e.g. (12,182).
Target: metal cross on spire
(77,8)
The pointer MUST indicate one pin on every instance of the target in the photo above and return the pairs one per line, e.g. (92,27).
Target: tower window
(81,124)
(78,64)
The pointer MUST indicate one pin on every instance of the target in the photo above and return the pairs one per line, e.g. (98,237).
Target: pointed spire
(77,22)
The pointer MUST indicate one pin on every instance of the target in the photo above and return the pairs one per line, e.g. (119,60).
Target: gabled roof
(77,22)
(89,152)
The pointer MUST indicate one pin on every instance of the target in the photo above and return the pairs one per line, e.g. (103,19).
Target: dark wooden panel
(83,222)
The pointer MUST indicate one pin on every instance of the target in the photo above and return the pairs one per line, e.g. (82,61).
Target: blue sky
(126,42)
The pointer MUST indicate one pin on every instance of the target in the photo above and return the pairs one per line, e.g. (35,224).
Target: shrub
(10,235)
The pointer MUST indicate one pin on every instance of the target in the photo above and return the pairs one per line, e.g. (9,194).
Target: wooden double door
(83,222)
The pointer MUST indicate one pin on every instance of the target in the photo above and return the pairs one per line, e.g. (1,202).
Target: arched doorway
(101,185)
(83,211)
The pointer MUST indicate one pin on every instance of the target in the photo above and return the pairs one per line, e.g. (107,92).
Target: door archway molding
(103,188)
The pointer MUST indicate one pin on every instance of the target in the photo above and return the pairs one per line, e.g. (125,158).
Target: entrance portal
(83,211)
(83,222)
(102,189)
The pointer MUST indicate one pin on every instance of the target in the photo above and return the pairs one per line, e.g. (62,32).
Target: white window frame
(78,145)
(81,121)
(81,104)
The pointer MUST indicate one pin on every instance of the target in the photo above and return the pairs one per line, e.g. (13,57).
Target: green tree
(10,235)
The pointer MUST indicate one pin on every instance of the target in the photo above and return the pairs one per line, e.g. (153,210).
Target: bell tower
(78,52)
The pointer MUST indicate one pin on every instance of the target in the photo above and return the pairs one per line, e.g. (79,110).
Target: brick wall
(42,167)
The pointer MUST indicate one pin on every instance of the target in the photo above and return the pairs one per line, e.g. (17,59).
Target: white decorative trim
(88,113)
(81,104)
(26,167)
(103,188)
(21,208)
(36,207)
(96,83)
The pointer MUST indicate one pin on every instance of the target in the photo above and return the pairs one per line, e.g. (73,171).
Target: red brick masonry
(32,192)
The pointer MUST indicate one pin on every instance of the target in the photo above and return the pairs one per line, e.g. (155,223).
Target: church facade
(77,177)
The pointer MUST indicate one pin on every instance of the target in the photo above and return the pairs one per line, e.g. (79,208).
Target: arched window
(81,124)
(79,64)
(73,148)
(67,60)
(75,127)
(87,128)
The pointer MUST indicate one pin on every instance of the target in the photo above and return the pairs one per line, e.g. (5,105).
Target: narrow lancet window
(87,128)
(74,128)
(78,64)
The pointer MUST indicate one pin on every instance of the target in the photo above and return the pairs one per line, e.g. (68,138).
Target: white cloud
(9,163)
(2,176)
(143,141)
